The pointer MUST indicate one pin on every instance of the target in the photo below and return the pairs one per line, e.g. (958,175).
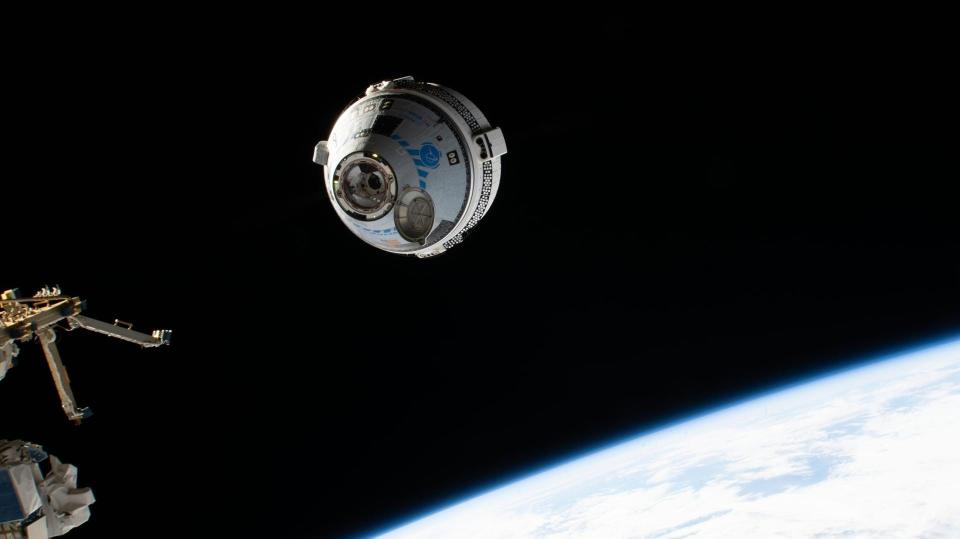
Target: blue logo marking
(430,155)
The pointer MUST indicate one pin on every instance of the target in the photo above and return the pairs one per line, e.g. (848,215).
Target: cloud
(870,453)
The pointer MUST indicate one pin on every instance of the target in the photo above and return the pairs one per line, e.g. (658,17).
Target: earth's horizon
(872,451)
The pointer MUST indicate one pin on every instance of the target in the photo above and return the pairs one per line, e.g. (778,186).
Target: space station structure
(411,167)
(38,318)
(34,504)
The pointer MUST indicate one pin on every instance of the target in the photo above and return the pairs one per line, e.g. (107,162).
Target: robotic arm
(122,331)
(22,319)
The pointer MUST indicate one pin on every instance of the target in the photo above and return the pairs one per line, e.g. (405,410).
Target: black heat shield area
(386,125)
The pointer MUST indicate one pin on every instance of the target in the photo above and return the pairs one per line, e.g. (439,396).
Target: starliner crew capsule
(411,167)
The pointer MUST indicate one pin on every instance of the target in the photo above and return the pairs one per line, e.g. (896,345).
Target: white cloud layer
(874,452)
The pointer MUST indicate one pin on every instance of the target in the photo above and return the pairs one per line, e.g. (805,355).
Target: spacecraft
(411,167)
(34,505)
(23,319)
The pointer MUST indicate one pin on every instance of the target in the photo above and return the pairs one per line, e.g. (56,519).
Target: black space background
(680,222)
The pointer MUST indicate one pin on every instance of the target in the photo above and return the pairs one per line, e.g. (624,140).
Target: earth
(869,452)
